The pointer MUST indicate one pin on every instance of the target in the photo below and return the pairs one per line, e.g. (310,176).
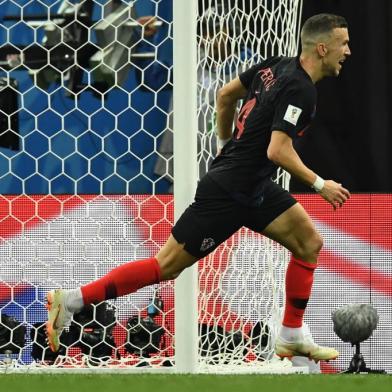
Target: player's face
(337,50)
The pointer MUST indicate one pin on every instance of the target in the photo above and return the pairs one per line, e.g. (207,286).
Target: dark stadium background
(351,137)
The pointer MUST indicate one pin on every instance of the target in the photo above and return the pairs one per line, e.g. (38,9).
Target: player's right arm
(281,151)
(227,99)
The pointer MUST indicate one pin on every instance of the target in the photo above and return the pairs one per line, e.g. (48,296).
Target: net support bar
(185,172)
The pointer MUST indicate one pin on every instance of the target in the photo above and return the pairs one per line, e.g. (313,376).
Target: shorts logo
(207,244)
(292,114)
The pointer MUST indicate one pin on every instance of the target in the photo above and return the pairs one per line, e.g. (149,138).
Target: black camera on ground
(92,331)
(41,351)
(216,341)
(12,335)
(144,336)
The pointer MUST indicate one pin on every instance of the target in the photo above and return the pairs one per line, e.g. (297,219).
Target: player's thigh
(203,226)
(201,229)
(296,231)
(275,202)
(173,259)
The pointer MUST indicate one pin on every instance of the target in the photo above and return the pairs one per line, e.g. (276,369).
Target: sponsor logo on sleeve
(292,114)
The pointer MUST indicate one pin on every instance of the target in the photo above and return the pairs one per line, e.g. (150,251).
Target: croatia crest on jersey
(207,244)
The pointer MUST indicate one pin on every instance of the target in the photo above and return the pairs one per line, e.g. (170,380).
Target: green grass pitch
(193,383)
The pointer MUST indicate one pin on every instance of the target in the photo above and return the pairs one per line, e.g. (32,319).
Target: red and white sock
(125,279)
(299,281)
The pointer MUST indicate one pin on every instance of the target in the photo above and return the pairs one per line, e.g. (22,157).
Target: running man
(279,102)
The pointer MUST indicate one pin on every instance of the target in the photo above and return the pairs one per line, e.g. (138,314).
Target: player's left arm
(281,151)
(294,108)
(227,99)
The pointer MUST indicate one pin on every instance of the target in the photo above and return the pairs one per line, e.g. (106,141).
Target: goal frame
(185,173)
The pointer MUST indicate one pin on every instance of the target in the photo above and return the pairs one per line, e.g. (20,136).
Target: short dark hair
(320,24)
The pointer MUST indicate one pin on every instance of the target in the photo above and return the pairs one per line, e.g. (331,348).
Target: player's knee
(170,272)
(173,275)
(315,244)
(310,249)
(173,262)
(169,267)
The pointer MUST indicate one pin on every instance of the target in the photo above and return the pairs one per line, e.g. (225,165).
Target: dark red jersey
(282,97)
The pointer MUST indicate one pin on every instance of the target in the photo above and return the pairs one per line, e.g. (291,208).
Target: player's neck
(311,66)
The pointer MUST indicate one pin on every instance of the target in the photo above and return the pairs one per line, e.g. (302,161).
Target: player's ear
(321,49)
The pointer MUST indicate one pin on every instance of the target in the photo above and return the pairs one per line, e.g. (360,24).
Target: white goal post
(185,172)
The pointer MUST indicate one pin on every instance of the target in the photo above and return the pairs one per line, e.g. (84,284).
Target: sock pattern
(125,279)
(299,281)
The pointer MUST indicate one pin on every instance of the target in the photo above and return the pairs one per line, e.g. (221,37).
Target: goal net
(86,180)
(241,283)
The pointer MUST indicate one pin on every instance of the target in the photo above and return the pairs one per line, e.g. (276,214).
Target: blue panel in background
(89,145)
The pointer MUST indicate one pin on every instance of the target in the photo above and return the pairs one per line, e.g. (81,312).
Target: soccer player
(279,102)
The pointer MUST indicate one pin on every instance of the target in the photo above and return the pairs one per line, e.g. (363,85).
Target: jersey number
(244,113)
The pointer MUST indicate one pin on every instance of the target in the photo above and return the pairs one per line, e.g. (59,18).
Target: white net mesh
(241,283)
(85,156)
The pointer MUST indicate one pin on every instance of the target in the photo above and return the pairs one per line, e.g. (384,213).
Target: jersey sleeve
(246,77)
(294,109)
